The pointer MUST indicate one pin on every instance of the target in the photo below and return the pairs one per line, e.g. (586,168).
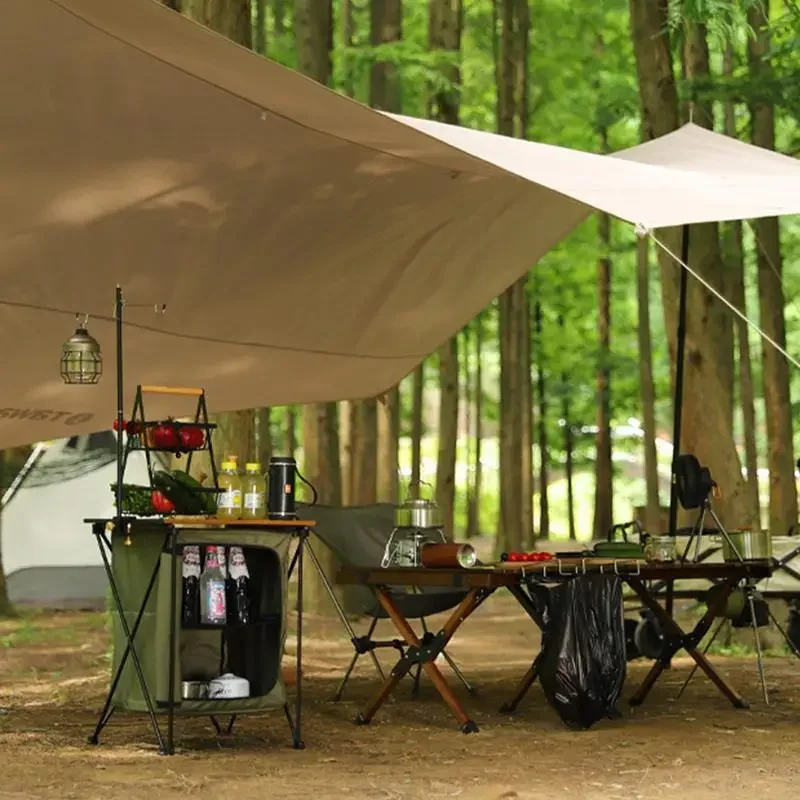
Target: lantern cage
(81,361)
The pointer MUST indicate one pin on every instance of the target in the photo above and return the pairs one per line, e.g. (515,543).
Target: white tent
(308,248)
(50,556)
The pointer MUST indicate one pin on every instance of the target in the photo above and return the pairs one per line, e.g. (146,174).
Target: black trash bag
(583,659)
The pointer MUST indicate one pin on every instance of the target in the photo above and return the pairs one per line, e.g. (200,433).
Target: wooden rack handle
(180,390)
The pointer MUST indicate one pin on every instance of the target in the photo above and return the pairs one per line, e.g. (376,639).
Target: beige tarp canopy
(307,247)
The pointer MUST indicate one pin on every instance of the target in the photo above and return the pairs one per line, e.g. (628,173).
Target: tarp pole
(120,401)
(680,351)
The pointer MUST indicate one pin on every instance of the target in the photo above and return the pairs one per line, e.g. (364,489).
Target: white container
(228,687)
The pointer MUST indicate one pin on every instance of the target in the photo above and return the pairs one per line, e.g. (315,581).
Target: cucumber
(185,500)
(208,499)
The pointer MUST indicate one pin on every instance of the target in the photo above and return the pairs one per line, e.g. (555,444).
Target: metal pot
(418,514)
(750,545)
(194,690)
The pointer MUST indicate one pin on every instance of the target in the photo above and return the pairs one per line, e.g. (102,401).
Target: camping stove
(416,524)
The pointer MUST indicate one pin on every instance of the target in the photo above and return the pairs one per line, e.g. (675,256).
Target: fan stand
(699,527)
(751,594)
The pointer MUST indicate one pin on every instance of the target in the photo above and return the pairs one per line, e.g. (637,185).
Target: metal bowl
(194,690)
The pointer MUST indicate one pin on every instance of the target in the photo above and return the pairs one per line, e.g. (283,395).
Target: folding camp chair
(357,535)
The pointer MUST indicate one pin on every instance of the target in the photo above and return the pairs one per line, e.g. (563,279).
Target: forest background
(549,416)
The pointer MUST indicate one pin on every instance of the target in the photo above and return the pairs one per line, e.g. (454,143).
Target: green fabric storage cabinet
(144,563)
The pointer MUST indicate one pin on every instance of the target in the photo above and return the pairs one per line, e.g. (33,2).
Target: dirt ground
(54,674)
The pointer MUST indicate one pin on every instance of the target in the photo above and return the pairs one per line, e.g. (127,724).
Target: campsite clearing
(55,670)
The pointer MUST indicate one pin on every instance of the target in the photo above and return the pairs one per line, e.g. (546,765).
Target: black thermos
(282,472)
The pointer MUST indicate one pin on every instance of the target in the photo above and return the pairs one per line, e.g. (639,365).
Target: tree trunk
(652,521)
(604,475)
(707,430)
(569,443)
(231,18)
(780,457)
(523,325)
(279,16)
(388,446)
(261,27)
(365,463)
(6,609)
(474,509)
(310,447)
(448,432)
(526,418)
(734,256)
(347,39)
(515,525)
(417,431)
(313,29)
(444,34)
(291,431)
(346,452)
(466,403)
(386,27)
(264,439)
(544,452)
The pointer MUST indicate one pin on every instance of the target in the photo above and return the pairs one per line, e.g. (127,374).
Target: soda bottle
(229,505)
(255,492)
(239,588)
(190,610)
(212,590)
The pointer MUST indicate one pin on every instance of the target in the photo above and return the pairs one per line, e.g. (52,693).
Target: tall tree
(417,429)
(707,429)
(231,18)
(386,27)
(604,467)
(444,35)
(569,443)
(542,439)
(474,500)
(734,257)
(514,528)
(604,475)
(780,458)
(313,27)
(260,38)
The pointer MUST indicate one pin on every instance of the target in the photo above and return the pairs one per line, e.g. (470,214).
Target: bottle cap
(229,465)
(253,466)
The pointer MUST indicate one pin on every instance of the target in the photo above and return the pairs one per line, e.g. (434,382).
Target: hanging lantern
(81,361)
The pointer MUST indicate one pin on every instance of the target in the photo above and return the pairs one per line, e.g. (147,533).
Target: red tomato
(161,503)
(191,437)
(164,437)
(124,425)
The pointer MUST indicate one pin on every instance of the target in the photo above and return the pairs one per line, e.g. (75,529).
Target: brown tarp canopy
(308,248)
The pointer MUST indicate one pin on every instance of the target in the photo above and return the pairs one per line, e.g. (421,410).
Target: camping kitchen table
(152,646)
(483,581)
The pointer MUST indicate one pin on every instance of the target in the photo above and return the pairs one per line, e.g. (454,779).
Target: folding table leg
(452,664)
(130,648)
(677,640)
(522,689)
(416,654)
(533,671)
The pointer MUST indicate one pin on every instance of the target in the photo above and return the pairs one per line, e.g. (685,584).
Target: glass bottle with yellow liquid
(255,492)
(229,505)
